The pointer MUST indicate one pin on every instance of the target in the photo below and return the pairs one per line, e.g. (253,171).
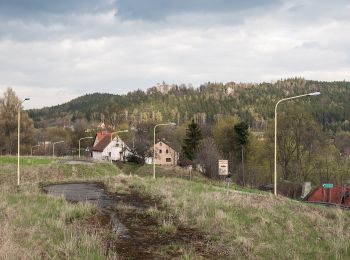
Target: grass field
(30,160)
(254,225)
(233,224)
(35,225)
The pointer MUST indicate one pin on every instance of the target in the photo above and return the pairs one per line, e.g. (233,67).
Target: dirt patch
(147,238)
(134,226)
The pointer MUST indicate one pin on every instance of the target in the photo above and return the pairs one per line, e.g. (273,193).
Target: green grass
(167,227)
(36,226)
(240,223)
(25,160)
(253,225)
(178,172)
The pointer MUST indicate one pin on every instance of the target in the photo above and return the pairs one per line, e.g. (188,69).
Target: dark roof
(166,142)
(103,143)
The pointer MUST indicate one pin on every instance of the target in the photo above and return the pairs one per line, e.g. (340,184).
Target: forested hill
(252,102)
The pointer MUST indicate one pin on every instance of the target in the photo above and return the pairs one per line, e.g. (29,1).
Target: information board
(223,167)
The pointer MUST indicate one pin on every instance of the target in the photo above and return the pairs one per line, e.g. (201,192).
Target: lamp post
(275,163)
(53,147)
(31,149)
(88,137)
(154,144)
(19,137)
(121,131)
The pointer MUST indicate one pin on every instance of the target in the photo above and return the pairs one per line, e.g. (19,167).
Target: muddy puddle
(93,193)
(134,232)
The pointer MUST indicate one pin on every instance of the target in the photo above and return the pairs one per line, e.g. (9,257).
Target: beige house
(165,155)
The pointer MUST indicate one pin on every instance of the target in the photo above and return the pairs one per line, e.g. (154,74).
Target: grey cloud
(127,9)
(32,20)
(87,46)
(40,9)
(311,12)
(159,9)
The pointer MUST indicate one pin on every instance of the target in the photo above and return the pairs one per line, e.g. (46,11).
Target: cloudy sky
(53,51)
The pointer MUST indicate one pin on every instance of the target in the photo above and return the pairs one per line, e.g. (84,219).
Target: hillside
(253,103)
(170,217)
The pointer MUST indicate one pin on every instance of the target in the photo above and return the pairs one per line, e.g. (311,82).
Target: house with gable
(165,154)
(105,149)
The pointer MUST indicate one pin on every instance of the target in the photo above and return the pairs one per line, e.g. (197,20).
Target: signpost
(327,185)
(223,167)
(327,189)
(190,171)
(223,171)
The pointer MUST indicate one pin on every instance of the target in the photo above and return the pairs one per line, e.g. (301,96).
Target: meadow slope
(224,223)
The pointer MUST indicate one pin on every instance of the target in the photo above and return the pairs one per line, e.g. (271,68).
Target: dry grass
(254,226)
(37,226)
(242,225)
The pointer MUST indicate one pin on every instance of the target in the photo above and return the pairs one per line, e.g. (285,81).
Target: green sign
(328,185)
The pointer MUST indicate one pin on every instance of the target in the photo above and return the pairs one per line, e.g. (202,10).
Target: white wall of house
(97,155)
(149,160)
(113,149)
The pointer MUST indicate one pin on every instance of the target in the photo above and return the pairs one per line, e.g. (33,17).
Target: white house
(105,149)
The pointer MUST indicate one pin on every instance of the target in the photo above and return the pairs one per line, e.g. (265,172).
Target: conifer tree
(192,140)
(241,138)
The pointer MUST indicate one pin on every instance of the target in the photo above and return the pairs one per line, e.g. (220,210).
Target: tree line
(216,121)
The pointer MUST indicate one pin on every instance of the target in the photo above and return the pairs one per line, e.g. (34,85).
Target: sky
(54,51)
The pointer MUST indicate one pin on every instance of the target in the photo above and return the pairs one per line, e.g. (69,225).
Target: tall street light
(275,164)
(116,132)
(31,149)
(53,147)
(154,144)
(88,137)
(19,137)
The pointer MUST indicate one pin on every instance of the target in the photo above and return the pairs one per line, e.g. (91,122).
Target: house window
(160,151)
(166,151)
(168,159)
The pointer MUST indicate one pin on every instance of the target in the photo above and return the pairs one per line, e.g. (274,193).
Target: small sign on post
(223,167)
(327,185)
(190,171)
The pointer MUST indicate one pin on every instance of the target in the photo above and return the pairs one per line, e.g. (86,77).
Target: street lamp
(154,144)
(88,137)
(275,164)
(121,131)
(53,147)
(31,149)
(18,137)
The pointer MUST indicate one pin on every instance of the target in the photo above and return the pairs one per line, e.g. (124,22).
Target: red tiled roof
(99,136)
(102,144)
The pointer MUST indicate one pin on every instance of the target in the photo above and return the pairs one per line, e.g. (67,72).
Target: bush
(135,159)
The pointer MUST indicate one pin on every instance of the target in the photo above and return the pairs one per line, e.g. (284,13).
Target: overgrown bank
(221,223)
(253,225)
(34,225)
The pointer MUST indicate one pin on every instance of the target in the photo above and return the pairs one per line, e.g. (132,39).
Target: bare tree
(207,157)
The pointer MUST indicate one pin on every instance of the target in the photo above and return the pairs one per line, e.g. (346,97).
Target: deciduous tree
(9,106)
